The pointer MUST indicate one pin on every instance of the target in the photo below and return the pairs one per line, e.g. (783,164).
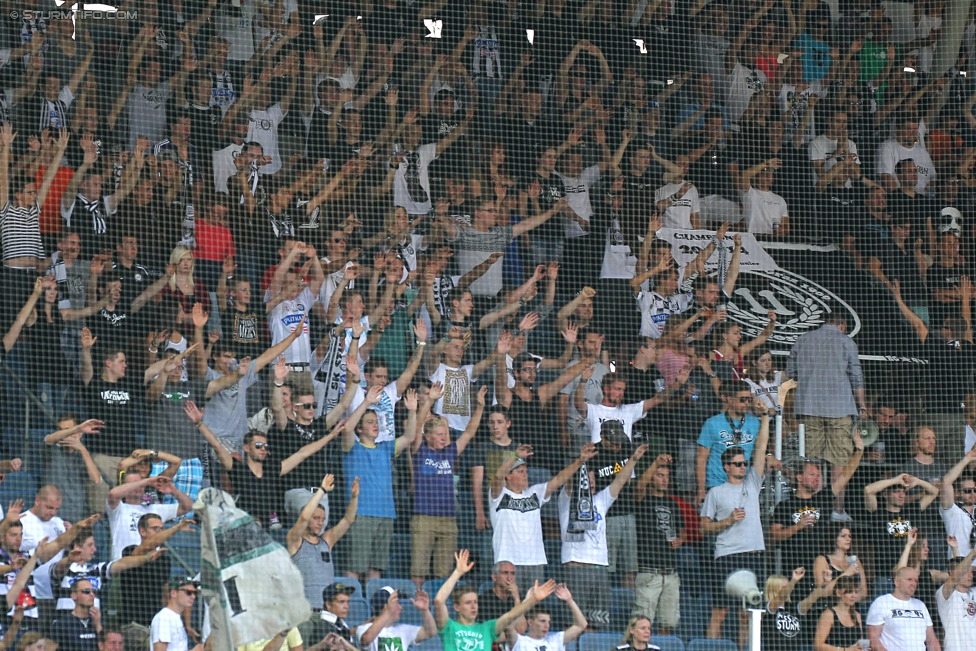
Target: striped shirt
(20,229)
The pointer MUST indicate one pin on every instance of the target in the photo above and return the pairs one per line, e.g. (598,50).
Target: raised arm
(462,567)
(586,453)
(349,430)
(293,540)
(948,491)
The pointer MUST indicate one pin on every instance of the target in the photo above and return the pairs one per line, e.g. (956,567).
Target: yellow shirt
(293,640)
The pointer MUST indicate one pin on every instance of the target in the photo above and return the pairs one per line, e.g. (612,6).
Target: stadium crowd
(390,274)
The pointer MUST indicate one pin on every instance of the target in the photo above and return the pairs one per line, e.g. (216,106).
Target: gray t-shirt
(65,469)
(745,535)
(226,413)
(170,429)
(147,112)
(472,247)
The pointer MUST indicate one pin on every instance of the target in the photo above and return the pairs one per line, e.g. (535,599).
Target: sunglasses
(260,446)
(307,405)
(738,464)
(88,591)
(189,591)
(744,398)
(967,490)
(337,240)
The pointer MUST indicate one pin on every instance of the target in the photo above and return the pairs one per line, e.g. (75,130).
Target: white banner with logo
(686,245)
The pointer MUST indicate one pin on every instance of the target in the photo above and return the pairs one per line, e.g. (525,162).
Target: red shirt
(50,218)
(214,242)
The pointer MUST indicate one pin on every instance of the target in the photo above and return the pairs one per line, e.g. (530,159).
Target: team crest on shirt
(799,513)
(971,608)
(899,527)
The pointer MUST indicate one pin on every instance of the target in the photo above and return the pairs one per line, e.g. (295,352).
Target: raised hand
(421,600)
(482,392)
(200,317)
(87,341)
(328,483)
(436,391)
(410,400)
(354,489)
(570,332)
(563,593)
(462,566)
(798,574)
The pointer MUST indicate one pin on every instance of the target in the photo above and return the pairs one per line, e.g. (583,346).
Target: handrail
(30,394)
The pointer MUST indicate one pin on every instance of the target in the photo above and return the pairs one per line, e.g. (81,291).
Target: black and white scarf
(415,190)
(94,209)
(333,371)
(582,517)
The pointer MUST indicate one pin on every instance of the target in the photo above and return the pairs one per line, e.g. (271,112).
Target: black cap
(612,431)
(330,592)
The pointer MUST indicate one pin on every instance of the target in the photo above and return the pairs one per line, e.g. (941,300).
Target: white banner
(686,245)
(251,585)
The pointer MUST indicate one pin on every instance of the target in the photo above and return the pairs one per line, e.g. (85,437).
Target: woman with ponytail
(840,626)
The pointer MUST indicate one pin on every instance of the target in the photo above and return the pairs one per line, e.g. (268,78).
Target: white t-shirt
(551,642)
(678,214)
(824,149)
(656,310)
(283,320)
(398,637)
(746,535)
(414,163)
(958,615)
(123,521)
(34,530)
(970,438)
(904,622)
(455,404)
(891,153)
(761,209)
(384,410)
(578,195)
(958,523)
(223,165)
(592,549)
(516,523)
(743,84)
(263,129)
(618,260)
(167,626)
(593,395)
(627,415)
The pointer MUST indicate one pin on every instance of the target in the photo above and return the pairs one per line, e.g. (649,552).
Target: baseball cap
(378,601)
(613,432)
(519,463)
(330,592)
(177,582)
(651,105)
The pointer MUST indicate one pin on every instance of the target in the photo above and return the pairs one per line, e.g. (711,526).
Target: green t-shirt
(478,637)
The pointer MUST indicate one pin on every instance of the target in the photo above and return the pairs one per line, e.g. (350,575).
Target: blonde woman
(638,635)
(182,286)
(785,627)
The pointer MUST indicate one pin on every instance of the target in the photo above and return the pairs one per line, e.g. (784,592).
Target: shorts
(723,566)
(432,535)
(368,544)
(657,594)
(622,543)
(829,439)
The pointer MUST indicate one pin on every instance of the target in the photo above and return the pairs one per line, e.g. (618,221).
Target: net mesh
(619,298)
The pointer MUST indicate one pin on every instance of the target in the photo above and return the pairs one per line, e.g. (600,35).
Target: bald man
(898,621)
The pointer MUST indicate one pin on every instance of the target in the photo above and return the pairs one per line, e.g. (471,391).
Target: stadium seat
(431,644)
(18,485)
(403,585)
(358,612)
(712,645)
(431,586)
(185,550)
(668,642)
(598,641)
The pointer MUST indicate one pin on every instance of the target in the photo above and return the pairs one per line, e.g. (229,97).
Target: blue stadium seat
(432,586)
(358,612)
(485,586)
(712,645)
(431,644)
(411,615)
(18,485)
(403,585)
(668,642)
(597,641)
(185,548)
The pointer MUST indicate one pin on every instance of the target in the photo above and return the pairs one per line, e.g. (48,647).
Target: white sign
(686,245)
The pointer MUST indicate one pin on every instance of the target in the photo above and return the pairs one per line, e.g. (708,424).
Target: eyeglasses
(260,446)
(88,591)
(738,464)
(307,405)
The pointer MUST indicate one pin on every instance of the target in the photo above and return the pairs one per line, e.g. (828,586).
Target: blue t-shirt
(719,434)
(374,467)
(433,480)
(816,57)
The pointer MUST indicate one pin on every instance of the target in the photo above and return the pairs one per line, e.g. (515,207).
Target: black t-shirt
(533,426)
(899,263)
(259,496)
(605,466)
(147,580)
(941,277)
(113,403)
(112,328)
(491,607)
(950,373)
(283,444)
(803,547)
(74,634)
(245,329)
(551,191)
(889,531)
(784,630)
(659,516)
